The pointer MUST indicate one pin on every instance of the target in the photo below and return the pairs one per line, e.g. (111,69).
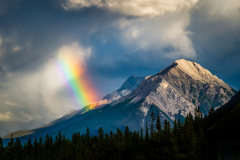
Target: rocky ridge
(179,89)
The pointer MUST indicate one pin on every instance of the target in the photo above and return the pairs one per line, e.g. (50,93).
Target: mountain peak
(127,87)
(131,83)
(184,69)
(181,61)
(133,76)
(194,84)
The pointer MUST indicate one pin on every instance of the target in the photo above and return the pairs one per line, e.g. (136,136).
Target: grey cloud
(215,25)
(150,8)
(166,34)
(7,116)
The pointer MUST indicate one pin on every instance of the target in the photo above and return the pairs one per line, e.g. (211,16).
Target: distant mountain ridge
(172,92)
(127,87)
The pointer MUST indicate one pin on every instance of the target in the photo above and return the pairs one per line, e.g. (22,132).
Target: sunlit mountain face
(58,56)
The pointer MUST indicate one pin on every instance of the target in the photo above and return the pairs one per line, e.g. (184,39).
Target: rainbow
(73,73)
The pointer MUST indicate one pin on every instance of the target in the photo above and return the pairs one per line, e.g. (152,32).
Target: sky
(111,40)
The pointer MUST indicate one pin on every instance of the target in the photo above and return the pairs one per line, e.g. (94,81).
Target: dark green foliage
(2,149)
(146,134)
(100,134)
(10,150)
(152,125)
(158,123)
(185,141)
(141,134)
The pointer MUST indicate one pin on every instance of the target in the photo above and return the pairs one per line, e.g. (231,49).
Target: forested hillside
(186,140)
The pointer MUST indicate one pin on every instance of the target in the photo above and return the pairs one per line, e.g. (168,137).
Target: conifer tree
(40,148)
(211,111)
(127,135)
(87,136)
(10,151)
(189,135)
(158,123)
(111,136)
(59,138)
(201,144)
(152,124)
(47,145)
(1,149)
(100,134)
(119,135)
(146,134)
(179,136)
(29,148)
(19,149)
(175,128)
(35,148)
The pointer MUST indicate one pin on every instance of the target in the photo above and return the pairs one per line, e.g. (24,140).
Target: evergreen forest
(184,140)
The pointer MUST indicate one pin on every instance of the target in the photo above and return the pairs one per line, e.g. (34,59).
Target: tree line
(185,140)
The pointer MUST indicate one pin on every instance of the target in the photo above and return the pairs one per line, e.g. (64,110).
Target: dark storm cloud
(39,29)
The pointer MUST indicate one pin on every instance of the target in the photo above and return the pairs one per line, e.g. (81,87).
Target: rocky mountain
(173,92)
(181,87)
(127,87)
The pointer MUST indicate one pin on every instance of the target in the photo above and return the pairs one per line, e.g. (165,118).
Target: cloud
(2,48)
(149,8)
(22,116)
(40,93)
(216,26)
(165,35)
(7,116)
(216,10)
(16,49)
(159,26)
(75,50)
(25,117)
(11,103)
